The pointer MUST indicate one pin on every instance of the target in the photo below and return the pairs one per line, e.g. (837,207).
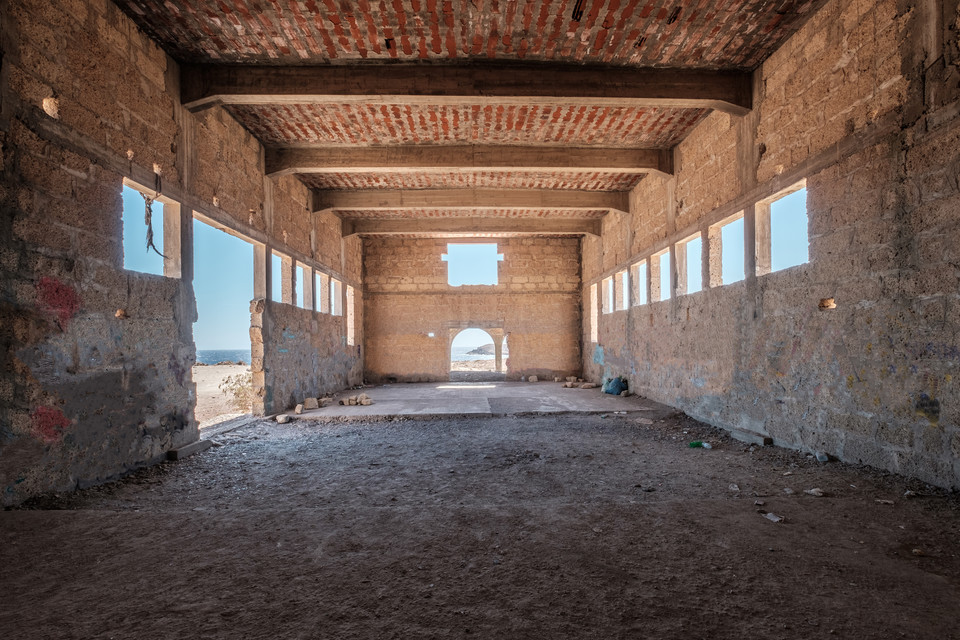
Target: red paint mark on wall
(59,298)
(49,424)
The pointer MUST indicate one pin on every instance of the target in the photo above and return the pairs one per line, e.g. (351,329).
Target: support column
(761,239)
(308,297)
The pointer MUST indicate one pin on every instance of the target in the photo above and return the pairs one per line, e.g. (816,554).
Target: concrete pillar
(761,240)
(288,287)
(308,297)
(324,294)
(713,257)
(679,259)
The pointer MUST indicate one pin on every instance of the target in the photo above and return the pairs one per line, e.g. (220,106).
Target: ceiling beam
(468,226)
(393,199)
(488,83)
(421,158)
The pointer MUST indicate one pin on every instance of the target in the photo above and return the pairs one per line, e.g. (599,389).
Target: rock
(325,402)
(817,492)
(283,418)
(707,445)
(625,393)
(571,378)
(644,421)
(366,402)
(788,491)
(533,379)
(241,362)
(121,314)
(772,517)
(311,403)
(556,379)
(910,494)
(588,385)
(352,401)
(299,409)
(734,487)
(886,502)
(759,503)
(343,402)
(822,457)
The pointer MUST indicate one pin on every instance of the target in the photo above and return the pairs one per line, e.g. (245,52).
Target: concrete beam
(419,158)
(393,199)
(467,226)
(489,83)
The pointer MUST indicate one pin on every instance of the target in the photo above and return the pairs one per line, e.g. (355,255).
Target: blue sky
(472,338)
(472,264)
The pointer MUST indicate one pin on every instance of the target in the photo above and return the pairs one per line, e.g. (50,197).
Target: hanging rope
(148,217)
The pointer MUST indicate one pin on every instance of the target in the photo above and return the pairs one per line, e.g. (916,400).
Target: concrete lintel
(392,199)
(466,226)
(207,85)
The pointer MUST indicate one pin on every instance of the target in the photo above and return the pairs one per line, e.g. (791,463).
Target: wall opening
(693,264)
(301,282)
(276,277)
(732,268)
(336,297)
(473,350)
(638,278)
(594,314)
(789,235)
(663,274)
(472,264)
(137,255)
(351,322)
(223,284)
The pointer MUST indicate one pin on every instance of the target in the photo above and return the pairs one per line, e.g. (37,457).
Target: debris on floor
(283,418)
(816,492)
(533,379)
(361,399)
(310,403)
(772,517)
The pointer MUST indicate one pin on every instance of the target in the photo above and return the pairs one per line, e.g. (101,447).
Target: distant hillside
(485,350)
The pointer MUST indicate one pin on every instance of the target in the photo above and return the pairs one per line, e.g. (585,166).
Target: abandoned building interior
(749,210)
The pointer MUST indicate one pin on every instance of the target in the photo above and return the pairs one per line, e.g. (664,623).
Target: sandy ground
(212,405)
(532,527)
(473,365)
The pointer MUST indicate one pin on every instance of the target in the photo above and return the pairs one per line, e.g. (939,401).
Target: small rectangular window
(472,264)
(694,261)
(322,292)
(594,314)
(137,256)
(665,287)
(336,297)
(300,287)
(276,277)
(351,327)
(607,295)
(638,276)
(731,248)
(622,290)
(789,236)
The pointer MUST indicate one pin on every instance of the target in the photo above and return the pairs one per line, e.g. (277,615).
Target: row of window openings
(328,291)
(785,246)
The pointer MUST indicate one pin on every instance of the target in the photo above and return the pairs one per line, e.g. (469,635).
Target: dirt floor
(213,406)
(514,527)
(473,365)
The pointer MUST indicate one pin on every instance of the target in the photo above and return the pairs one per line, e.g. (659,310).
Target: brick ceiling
(724,35)
(401,214)
(583,181)
(714,34)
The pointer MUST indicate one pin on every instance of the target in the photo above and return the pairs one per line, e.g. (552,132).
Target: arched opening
(473,356)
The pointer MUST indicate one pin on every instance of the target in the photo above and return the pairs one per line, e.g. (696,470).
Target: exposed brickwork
(580,181)
(467,213)
(658,33)
(383,124)
(407,296)
(871,380)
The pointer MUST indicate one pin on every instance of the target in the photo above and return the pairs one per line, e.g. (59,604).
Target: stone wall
(95,377)
(535,304)
(872,380)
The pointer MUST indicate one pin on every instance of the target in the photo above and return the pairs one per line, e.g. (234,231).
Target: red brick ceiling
(402,214)
(385,124)
(466,179)
(720,34)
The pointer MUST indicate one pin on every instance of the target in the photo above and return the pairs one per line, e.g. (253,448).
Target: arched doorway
(473,355)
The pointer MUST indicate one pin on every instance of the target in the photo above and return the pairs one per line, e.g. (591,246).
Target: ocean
(459,354)
(213,356)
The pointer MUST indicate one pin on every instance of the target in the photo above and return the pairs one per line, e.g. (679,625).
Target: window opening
(638,276)
(472,264)
(301,298)
(336,297)
(694,261)
(276,277)
(351,327)
(731,249)
(664,259)
(322,292)
(138,255)
(622,290)
(594,314)
(789,235)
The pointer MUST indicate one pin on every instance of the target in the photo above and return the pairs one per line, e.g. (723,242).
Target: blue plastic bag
(615,386)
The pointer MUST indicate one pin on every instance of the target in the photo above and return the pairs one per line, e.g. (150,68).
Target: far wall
(536,303)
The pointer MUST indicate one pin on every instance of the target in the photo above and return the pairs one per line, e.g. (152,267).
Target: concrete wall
(535,303)
(862,103)
(86,100)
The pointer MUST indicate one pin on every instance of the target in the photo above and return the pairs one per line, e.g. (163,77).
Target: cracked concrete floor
(511,527)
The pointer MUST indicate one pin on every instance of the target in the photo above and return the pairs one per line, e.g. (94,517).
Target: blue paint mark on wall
(698,382)
(283,350)
(289,335)
(598,354)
